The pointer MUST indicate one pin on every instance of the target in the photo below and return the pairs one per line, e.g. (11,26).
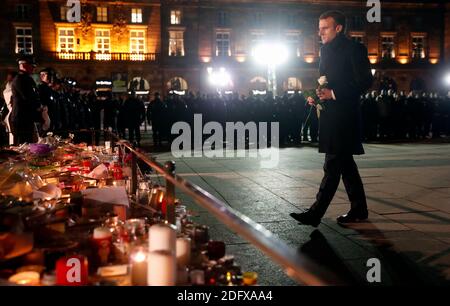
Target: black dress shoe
(306,218)
(352,218)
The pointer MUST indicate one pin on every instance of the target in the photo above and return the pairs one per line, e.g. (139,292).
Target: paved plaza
(408,193)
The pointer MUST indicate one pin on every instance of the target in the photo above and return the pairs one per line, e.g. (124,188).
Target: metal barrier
(296,265)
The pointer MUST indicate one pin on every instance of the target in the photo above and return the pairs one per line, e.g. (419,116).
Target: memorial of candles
(93,229)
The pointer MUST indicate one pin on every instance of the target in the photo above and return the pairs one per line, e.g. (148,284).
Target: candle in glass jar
(102,239)
(250,278)
(28,278)
(162,269)
(139,267)
(183,251)
(162,237)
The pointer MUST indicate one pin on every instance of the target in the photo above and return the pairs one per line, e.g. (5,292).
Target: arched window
(258,83)
(177,83)
(138,84)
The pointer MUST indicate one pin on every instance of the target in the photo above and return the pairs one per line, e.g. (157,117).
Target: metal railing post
(134,175)
(170,193)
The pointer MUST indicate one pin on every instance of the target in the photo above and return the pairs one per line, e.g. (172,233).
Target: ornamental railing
(97,56)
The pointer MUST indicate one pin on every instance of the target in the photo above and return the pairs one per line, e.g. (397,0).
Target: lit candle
(139,267)
(250,278)
(162,269)
(28,278)
(183,251)
(162,237)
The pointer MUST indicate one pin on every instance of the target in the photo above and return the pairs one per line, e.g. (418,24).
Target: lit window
(175,17)
(223,44)
(102,14)
(137,41)
(176,43)
(63,12)
(102,41)
(24,41)
(66,40)
(136,15)
(387,47)
(418,47)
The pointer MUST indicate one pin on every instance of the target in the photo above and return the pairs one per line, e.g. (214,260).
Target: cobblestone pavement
(408,192)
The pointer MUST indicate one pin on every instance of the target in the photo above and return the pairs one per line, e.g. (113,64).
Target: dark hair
(338,17)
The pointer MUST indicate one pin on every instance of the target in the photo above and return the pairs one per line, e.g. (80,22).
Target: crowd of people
(59,106)
(386,115)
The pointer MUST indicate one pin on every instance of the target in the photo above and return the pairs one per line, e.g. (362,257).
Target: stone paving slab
(408,192)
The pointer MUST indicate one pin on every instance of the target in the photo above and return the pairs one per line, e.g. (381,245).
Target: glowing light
(373,71)
(137,57)
(434,61)
(240,58)
(259,92)
(447,79)
(139,257)
(219,78)
(403,60)
(271,54)
(106,83)
(103,56)
(373,59)
(205,59)
(309,59)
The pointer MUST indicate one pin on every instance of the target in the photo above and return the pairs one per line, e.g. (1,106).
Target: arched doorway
(177,84)
(258,83)
(139,85)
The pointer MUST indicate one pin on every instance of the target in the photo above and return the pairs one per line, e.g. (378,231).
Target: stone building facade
(178,44)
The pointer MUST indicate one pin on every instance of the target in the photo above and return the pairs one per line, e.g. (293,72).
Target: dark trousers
(135,133)
(334,167)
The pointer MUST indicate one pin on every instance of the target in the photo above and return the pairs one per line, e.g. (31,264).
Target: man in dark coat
(346,67)
(25,103)
(134,110)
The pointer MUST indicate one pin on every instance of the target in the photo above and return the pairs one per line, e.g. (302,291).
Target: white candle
(162,237)
(139,267)
(162,269)
(183,251)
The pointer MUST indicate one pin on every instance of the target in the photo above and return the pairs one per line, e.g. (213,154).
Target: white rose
(322,80)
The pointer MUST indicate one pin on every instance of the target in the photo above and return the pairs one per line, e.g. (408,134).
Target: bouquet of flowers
(313,99)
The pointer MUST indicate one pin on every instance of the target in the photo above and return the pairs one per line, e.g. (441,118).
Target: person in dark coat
(134,110)
(26,109)
(346,67)
(155,118)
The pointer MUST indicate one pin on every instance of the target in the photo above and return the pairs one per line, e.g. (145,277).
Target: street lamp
(220,79)
(447,79)
(271,55)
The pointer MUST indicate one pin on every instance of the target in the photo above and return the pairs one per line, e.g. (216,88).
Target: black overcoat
(346,65)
